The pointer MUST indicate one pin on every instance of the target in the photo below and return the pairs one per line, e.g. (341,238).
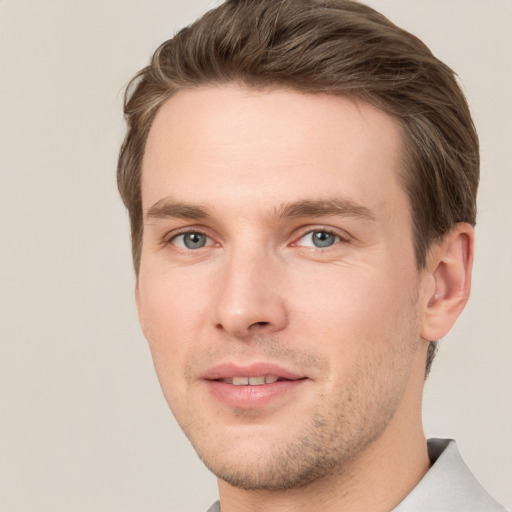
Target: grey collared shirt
(448,486)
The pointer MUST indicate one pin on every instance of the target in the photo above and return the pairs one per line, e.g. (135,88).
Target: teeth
(251,381)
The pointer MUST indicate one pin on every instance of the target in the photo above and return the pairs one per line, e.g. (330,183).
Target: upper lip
(230,370)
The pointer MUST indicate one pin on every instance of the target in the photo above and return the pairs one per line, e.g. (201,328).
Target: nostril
(262,324)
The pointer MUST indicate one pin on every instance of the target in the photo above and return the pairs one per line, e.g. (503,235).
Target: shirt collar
(449,486)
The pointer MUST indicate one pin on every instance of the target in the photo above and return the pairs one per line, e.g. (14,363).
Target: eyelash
(171,237)
(340,238)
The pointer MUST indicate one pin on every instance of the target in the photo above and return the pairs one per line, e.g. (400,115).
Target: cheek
(172,315)
(354,310)
(170,304)
(366,326)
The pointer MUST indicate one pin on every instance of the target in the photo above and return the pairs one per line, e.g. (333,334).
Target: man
(301,180)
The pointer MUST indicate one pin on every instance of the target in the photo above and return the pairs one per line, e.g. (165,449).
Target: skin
(243,171)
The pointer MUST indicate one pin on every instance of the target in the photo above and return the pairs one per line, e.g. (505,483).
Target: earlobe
(449,273)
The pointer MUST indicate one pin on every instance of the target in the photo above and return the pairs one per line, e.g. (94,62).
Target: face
(278,288)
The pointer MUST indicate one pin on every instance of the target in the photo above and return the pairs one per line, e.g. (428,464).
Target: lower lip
(252,397)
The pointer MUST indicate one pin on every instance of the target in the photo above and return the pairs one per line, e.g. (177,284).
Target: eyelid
(172,235)
(341,234)
(182,245)
(168,238)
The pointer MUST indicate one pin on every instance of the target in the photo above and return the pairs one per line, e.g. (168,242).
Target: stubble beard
(325,446)
(331,438)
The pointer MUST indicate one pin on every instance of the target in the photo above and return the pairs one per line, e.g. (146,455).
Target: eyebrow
(167,207)
(323,208)
(170,208)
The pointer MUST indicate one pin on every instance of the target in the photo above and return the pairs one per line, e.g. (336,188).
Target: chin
(264,463)
(275,473)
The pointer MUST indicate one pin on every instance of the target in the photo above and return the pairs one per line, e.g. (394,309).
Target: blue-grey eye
(319,239)
(190,240)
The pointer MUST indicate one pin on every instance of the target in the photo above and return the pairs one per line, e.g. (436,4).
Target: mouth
(252,381)
(252,387)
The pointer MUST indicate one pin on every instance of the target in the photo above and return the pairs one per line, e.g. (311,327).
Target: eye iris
(323,239)
(194,240)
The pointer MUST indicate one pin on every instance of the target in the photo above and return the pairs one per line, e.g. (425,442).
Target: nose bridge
(249,298)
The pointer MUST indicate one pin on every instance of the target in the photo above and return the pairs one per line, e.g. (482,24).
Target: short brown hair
(338,47)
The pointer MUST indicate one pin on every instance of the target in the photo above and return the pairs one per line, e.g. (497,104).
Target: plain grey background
(83,425)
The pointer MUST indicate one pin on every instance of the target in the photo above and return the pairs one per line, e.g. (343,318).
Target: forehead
(232,144)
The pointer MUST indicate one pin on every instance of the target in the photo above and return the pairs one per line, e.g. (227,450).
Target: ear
(449,267)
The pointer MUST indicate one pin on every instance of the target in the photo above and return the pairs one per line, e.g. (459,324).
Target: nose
(250,301)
